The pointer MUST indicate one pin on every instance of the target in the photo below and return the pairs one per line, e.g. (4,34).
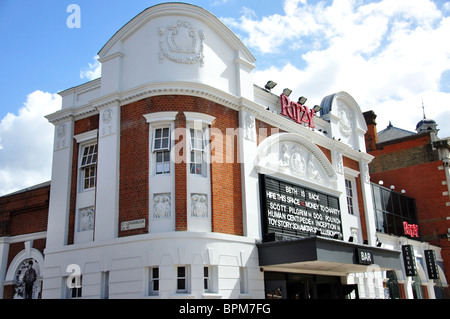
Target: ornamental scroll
(181,43)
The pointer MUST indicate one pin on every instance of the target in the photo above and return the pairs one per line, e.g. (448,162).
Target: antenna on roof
(423,110)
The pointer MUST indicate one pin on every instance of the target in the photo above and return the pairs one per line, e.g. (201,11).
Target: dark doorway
(306,286)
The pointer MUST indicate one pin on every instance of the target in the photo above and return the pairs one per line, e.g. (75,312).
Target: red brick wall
(226,196)
(25,212)
(133,183)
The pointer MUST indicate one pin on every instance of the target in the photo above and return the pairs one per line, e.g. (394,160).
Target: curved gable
(175,9)
(176,42)
(347,121)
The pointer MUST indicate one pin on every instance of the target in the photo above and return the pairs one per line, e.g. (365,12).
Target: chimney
(371,136)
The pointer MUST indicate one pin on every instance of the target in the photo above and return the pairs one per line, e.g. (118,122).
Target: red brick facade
(412,163)
(134,167)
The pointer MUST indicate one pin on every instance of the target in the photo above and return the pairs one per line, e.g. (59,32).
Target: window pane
(181,284)
(166,168)
(181,271)
(165,143)
(158,133)
(377,197)
(155,273)
(166,132)
(157,144)
(166,156)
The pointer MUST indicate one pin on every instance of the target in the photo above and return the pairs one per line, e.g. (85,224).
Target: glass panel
(165,143)
(155,273)
(377,197)
(157,144)
(166,132)
(181,284)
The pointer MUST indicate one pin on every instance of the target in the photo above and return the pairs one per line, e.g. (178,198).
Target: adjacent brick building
(23,226)
(416,163)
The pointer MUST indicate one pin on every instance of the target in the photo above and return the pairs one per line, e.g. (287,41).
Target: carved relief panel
(181,43)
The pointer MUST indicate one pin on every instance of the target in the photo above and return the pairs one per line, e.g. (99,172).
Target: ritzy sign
(296,111)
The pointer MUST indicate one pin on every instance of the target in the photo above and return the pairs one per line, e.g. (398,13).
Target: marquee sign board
(291,211)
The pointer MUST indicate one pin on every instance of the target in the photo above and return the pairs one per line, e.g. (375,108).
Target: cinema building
(174,176)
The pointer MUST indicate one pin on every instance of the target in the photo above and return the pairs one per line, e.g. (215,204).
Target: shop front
(319,268)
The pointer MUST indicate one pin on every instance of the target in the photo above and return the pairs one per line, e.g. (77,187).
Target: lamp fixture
(287,91)
(317,108)
(270,85)
(302,100)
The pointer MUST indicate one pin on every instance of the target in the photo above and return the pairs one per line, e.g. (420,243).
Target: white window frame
(162,151)
(198,156)
(160,120)
(210,279)
(104,293)
(152,280)
(350,194)
(84,141)
(351,175)
(186,278)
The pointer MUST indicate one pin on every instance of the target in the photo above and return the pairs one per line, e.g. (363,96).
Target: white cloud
(94,71)
(26,143)
(389,55)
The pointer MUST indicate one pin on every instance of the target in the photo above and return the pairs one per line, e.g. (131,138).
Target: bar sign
(409,260)
(430,258)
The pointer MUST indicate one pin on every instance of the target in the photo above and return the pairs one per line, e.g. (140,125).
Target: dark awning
(318,254)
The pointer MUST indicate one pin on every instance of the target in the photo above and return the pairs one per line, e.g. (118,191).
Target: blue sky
(390,55)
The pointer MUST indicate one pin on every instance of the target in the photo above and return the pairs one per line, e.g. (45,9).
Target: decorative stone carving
(297,161)
(366,173)
(86,219)
(291,156)
(161,206)
(346,119)
(249,127)
(338,162)
(199,205)
(313,171)
(107,122)
(181,43)
(284,155)
(61,137)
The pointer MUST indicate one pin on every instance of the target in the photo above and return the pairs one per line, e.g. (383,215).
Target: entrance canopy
(321,255)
